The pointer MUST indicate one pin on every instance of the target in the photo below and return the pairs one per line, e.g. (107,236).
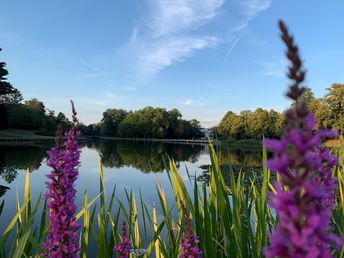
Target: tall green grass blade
(19,252)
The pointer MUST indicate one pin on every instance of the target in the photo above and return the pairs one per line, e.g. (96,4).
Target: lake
(131,165)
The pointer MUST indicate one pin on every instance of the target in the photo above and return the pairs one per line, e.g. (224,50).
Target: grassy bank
(17,133)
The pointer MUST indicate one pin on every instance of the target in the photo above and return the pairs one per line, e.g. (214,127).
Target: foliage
(22,117)
(251,125)
(152,122)
(36,105)
(329,111)
(14,97)
(8,94)
(5,86)
(111,120)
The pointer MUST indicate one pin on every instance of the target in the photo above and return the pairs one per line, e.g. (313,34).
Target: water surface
(127,165)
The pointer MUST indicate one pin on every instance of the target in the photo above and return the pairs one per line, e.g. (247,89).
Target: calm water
(127,164)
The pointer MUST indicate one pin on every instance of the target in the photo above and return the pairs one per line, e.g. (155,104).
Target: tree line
(328,111)
(148,122)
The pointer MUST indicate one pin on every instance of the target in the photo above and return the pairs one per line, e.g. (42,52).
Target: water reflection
(147,157)
(18,157)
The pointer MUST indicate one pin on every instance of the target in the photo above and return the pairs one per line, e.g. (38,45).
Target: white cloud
(161,54)
(173,31)
(251,8)
(171,16)
(274,68)
(167,35)
(187,102)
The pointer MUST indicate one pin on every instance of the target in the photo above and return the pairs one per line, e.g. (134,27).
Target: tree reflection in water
(145,156)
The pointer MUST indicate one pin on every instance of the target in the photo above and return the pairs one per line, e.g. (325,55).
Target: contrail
(232,46)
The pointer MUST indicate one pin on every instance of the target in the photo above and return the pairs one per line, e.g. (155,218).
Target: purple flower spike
(189,240)
(123,248)
(304,198)
(62,238)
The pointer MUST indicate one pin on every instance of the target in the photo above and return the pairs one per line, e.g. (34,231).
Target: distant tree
(6,87)
(23,117)
(251,125)
(63,120)
(334,103)
(111,120)
(35,104)
(307,96)
(152,122)
(12,98)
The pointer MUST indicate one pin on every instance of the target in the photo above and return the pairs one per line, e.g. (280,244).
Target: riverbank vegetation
(328,111)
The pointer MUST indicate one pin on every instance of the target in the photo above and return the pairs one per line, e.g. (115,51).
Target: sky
(203,57)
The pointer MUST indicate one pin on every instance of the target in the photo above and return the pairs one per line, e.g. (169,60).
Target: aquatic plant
(304,196)
(123,247)
(62,238)
(189,240)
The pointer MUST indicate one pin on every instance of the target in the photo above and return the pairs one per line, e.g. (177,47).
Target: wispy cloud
(232,46)
(175,30)
(252,7)
(90,71)
(187,102)
(169,33)
(110,95)
(170,17)
(248,9)
(274,68)
(161,54)
(198,102)
(129,88)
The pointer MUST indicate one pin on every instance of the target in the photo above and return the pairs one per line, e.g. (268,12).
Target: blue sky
(204,57)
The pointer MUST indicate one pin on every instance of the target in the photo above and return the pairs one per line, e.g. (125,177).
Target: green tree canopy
(35,104)
(8,94)
(111,119)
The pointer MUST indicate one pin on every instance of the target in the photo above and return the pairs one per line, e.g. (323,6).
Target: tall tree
(334,101)
(111,119)
(5,86)
(12,98)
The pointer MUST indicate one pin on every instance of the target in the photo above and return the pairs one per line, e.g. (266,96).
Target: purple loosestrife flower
(62,238)
(123,248)
(304,197)
(189,240)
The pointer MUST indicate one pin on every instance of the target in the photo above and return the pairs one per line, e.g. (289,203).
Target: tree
(111,120)
(334,102)
(35,104)
(12,98)
(6,88)
(63,120)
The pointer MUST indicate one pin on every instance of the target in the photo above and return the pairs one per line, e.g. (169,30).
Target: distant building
(208,133)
